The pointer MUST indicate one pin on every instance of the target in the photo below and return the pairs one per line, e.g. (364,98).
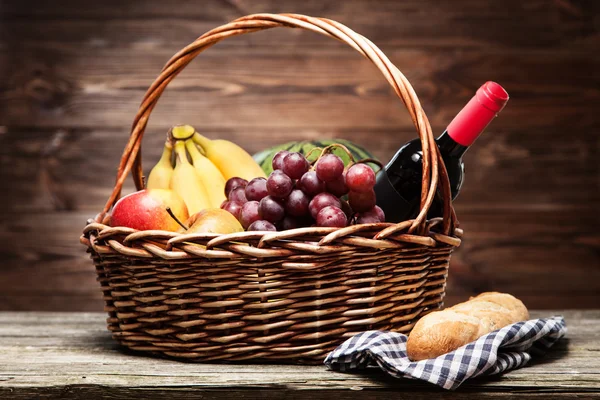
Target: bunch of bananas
(201,182)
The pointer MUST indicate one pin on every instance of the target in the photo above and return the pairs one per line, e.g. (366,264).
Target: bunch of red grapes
(296,195)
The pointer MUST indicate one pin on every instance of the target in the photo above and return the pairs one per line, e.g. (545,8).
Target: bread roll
(440,332)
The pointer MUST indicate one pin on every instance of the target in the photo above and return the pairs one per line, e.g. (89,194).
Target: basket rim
(105,240)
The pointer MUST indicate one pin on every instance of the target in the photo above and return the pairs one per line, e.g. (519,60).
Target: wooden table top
(72,356)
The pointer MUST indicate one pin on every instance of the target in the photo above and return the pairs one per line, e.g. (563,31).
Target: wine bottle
(398,186)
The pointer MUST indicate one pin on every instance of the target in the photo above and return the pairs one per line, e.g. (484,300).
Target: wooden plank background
(73,73)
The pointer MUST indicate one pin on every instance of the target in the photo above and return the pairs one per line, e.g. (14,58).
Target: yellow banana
(160,176)
(229,158)
(186,182)
(211,177)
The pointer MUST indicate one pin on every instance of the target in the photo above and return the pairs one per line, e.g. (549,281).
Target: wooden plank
(59,88)
(473,24)
(73,355)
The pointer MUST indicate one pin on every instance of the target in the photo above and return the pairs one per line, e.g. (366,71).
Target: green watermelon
(264,158)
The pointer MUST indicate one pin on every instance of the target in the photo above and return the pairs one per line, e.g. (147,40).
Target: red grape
(279,184)
(379,213)
(277,162)
(271,209)
(238,195)
(329,167)
(262,225)
(361,202)
(360,178)
(249,213)
(374,215)
(288,222)
(233,183)
(295,165)
(331,216)
(338,186)
(233,207)
(297,203)
(256,189)
(322,200)
(310,184)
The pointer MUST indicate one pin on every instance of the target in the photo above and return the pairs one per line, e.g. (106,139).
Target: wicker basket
(288,296)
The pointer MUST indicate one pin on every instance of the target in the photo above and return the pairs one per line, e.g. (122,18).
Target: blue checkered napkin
(508,348)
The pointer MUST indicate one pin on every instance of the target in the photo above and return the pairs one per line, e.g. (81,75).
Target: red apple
(147,210)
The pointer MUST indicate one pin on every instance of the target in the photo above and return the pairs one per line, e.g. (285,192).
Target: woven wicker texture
(287,296)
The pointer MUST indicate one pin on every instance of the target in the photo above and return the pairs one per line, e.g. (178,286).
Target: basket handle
(434,171)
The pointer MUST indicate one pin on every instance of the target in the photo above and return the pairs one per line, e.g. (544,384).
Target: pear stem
(170,212)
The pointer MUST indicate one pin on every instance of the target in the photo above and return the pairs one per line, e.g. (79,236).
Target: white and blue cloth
(505,349)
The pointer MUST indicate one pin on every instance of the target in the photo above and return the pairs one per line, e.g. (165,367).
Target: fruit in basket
(147,210)
(321,201)
(262,225)
(249,213)
(329,168)
(187,183)
(229,158)
(234,208)
(238,195)
(362,201)
(311,184)
(295,165)
(160,175)
(296,203)
(298,195)
(338,186)
(277,163)
(212,220)
(371,216)
(332,216)
(279,184)
(267,160)
(271,209)
(360,178)
(211,177)
(256,189)
(233,183)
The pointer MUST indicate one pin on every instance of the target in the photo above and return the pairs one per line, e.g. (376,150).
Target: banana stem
(167,153)
(182,132)
(201,141)
(180,152)
(193,150)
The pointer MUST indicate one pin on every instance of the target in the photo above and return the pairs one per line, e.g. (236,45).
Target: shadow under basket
(281,297)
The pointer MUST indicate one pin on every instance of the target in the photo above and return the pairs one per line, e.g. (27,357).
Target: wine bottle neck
(470,122)
(449,147)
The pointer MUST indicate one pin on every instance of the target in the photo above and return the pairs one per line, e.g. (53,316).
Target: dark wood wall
(73,72)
